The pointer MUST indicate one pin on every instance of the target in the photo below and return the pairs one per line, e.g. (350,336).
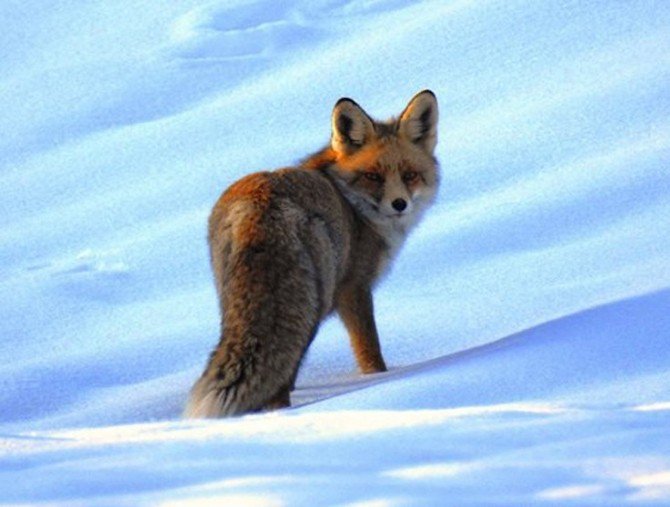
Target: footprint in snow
(90,275)
(92,262)
(244,30)
(221,31)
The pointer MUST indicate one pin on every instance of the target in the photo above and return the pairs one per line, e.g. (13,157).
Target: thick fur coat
(291,246)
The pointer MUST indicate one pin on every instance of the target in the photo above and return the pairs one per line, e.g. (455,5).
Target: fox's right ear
(418,122)
(352,127)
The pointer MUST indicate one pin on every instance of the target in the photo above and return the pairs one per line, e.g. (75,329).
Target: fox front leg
(355,308)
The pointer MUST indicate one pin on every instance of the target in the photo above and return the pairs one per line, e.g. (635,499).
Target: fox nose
(399,204)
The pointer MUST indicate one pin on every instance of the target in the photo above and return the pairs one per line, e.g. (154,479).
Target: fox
(290,247)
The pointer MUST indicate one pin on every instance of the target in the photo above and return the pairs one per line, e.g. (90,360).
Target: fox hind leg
(281,400)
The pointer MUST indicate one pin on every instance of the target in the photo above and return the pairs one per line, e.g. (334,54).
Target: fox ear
(418,122)
(352,127)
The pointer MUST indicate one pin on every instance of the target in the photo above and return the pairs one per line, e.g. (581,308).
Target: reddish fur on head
(379,163)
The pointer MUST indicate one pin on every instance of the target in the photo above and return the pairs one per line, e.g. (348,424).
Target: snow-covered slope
(526,321)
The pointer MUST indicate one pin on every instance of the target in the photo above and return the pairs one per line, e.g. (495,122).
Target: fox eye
(373,176)
(410,176)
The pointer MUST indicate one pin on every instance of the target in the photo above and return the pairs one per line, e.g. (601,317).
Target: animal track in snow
(241,31)
(87,261)
(92,262)
(92,276)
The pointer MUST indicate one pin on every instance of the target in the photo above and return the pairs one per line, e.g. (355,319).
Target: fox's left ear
(418,122)
(352,127)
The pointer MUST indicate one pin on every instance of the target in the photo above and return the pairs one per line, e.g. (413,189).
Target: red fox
(291,246)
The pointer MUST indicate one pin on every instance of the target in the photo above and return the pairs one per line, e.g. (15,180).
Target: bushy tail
(271,307)
(236,384)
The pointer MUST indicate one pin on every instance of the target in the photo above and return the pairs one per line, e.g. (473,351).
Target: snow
(526,320)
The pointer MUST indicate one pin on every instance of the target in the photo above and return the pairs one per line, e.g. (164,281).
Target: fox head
(386,170)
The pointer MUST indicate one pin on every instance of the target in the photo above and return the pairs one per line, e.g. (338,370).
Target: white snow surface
(526,322)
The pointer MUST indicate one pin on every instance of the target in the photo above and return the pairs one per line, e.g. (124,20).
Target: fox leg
(281,400)
(355,308)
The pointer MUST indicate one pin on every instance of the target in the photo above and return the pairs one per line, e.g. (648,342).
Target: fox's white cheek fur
(424,197)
